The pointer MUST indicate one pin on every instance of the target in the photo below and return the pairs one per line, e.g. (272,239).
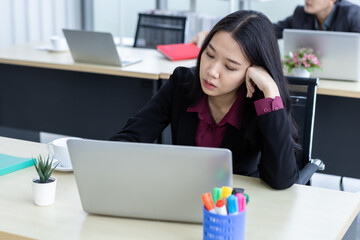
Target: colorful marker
(208,202)
(247,198)
(226,203)
(237,190)
(241,201)
(233,204)
(220,207)
(225,192)
(216,194)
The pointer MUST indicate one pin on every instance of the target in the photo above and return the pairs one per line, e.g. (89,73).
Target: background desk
(44,91)
(301,212)
(337,128)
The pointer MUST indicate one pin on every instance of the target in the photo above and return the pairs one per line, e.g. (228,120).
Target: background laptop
(339,52)
(151,181)
(96,48)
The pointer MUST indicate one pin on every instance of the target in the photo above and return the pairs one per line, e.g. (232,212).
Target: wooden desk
(301,212)
(153,66)
(339,88)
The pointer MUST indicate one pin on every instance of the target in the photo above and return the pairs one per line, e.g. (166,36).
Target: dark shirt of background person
(344,17)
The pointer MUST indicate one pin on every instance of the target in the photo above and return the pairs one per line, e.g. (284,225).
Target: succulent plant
(44,168)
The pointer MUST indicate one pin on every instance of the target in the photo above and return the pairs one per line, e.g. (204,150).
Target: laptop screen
(95,48)
(338,52)
(152,181)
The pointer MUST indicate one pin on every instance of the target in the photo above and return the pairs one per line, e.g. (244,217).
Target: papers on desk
(10,164)
(180,51)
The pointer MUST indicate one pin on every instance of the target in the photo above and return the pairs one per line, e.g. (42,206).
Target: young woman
(235,98)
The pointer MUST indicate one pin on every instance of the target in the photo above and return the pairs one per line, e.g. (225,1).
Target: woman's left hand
(258,76)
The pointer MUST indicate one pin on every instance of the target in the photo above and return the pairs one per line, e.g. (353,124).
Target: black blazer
(346,19)
(272,158)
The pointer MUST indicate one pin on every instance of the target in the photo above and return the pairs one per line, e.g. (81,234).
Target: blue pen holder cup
(219,227)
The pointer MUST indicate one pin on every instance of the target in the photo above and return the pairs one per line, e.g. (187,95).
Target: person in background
(236,97)
(327,15)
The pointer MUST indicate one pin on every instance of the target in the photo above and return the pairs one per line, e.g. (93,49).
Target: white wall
(109,13)
(355,1)
(275,9)
(36,20)
(119,16)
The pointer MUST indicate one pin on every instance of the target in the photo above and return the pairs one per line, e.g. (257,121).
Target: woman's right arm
(147,125)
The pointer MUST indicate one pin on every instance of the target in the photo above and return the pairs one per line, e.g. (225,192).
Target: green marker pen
(216,194)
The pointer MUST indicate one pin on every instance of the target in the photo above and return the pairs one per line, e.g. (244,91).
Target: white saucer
(61,168)
(51,49)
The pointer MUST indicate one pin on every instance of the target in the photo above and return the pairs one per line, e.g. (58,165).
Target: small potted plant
(303,62)
(44,186)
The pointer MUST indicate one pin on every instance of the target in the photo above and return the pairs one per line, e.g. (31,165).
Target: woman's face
(223,66)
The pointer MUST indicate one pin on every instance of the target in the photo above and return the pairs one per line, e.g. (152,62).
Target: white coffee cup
(58,43)
(59,152)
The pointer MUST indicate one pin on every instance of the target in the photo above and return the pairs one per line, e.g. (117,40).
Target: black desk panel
(67,102)
(337,135)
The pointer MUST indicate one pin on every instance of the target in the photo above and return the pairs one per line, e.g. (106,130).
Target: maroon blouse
(210,134)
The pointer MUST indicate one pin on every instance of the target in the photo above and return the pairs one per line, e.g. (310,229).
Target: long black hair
(255,33)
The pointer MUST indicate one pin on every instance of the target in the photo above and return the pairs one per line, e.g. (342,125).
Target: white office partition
(19,17)
(73,13)
(46,19)
(109,17)
(60,14)
(5,24)
(119,16)
(36,20)
(355,1)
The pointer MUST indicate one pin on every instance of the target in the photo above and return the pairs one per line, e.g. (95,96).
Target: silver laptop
(339,52)
(95,48)
(149,181)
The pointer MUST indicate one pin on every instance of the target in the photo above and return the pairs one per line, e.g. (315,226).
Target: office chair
(155,29)
(303,99)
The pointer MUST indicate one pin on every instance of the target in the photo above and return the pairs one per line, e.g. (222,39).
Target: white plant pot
(301,72)
(44,193)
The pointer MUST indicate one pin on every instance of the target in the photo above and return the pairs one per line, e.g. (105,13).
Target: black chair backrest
(303,99)
(154,29)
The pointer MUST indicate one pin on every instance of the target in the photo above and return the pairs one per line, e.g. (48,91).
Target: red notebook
(180,51)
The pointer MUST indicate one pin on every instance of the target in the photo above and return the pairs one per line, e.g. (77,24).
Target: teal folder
(10,164)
